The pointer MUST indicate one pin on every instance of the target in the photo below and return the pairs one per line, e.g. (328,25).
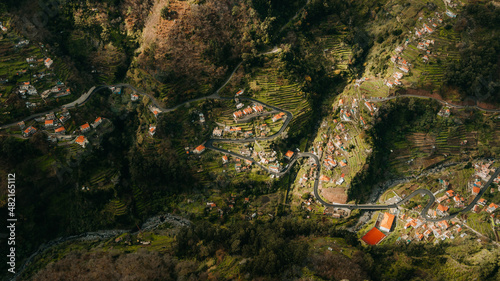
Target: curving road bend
(209,144)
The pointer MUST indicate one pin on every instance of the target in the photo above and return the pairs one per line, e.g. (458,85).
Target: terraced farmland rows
(116,207)
(102,177)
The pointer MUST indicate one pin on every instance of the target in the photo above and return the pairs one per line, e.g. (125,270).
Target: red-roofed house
(237,114)
(258,108)
(482,202)
(29,131)
(81,140)
(97,122)
(152,130)
(289,154)
(386,223)
(278,116)
(49,123)
(85,127)
(324,178)
(442,208)
(247,110)
(224,159)
(48,62)
(450,193)
(491,208)
(373,237)
(60,130)
(475,190)
(199,149)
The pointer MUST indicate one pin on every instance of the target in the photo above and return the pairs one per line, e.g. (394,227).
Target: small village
(409,226)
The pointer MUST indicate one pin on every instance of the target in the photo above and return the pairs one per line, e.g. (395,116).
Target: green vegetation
(246,223)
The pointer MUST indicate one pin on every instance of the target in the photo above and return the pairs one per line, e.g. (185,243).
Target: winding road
(423,192)
(289,116)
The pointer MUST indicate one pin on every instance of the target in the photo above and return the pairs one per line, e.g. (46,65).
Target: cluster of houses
(59,90)
(402,65)
(232,130)
(241,165)
(332,149)
(22,43)
(50,121)
(255,108)
(309,175)
(309,203)
(419,230)
(85,128)
(25,88)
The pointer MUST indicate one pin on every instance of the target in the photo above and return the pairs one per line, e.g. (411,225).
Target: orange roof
(476,189)
(200,148)
(373,237)
(442,208)
(98,120)
(49,122)
(387,221)
(449,192)
(324,178)
(60,129)
(289,153)
(85,126)
(29,129)
(155,112)
(493,205)
(80,139)
(224,158)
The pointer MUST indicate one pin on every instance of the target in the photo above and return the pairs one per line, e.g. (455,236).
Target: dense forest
(477,73)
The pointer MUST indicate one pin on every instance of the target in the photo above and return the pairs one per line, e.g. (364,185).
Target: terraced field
(101,180)
(282,93)
(116,207)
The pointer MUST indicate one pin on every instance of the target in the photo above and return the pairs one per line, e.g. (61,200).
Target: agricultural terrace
(455,140)
(271,87)
(341,146)
(337,53)
(427,54)
(23,62)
